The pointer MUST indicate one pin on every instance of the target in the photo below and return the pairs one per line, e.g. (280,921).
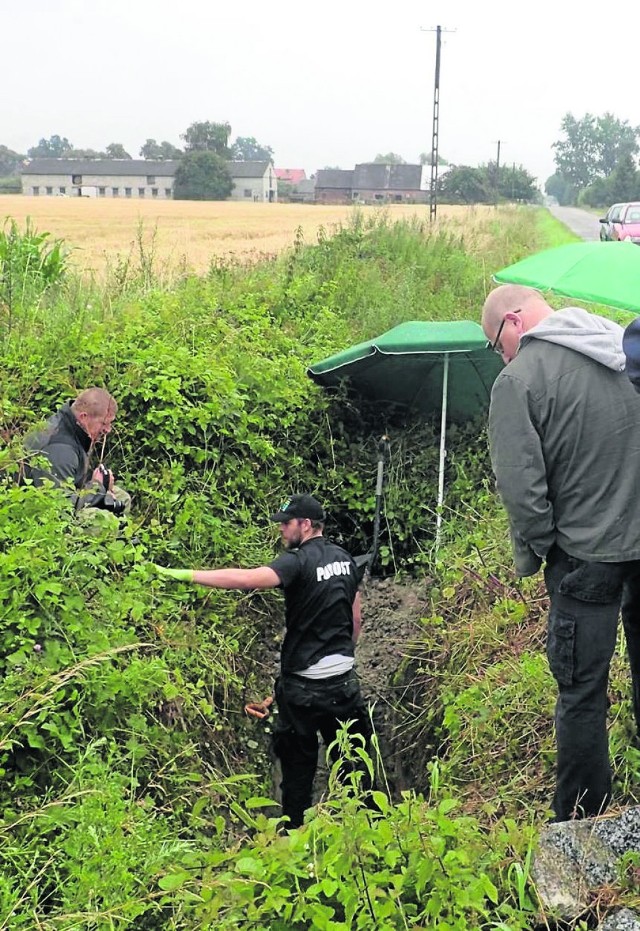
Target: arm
(518,462)
(66,464)
(357,617)
(262,577)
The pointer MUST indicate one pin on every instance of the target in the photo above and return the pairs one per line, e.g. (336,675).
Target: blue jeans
(586,599)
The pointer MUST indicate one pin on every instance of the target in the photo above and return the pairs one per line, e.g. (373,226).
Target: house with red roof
(291,175)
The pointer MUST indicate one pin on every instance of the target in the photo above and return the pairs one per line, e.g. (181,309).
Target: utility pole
(497,184)
(433,188)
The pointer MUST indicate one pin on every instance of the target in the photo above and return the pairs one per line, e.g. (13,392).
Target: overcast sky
(323,83)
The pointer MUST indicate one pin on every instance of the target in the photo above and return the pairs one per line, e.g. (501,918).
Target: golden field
(190,233)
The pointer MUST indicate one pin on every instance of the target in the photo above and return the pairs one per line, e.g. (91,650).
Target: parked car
(612,216)
(622,222)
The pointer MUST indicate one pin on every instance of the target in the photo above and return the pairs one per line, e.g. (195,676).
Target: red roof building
(291,175)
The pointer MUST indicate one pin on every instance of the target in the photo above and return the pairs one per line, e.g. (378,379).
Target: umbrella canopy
(405,366)
(430,367)
(598,272)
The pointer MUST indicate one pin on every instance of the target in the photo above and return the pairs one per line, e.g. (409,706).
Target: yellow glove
(181,575)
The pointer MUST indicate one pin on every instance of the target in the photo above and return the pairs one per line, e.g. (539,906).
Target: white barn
(130,177)
(253,181)
(99,177)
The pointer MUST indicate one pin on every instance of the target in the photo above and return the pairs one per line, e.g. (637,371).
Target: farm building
(373,183)
(334,186)
(304,192)
(253,181)
(100,177)
(129,177)
(376,182)
(291,175)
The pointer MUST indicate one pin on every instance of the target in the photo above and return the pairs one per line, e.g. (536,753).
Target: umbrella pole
(443,453)
(383,451)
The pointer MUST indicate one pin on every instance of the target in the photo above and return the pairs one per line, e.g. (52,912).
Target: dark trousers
(586,599)
(305,707)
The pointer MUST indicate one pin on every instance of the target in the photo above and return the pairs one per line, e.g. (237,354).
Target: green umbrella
(596,272)
(429,367)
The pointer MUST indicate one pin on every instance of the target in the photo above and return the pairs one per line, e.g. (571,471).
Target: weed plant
(132,789)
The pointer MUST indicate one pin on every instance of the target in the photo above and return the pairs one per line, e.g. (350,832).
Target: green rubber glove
(181,575)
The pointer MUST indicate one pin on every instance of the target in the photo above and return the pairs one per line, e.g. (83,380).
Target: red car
(622,222)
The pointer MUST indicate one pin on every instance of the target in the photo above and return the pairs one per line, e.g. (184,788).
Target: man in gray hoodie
(564,424)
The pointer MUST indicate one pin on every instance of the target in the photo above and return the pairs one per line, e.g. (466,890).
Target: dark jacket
(66,446)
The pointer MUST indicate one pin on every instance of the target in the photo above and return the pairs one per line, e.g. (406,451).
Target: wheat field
(190,234)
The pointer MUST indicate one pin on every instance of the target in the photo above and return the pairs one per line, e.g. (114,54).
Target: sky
(326,83)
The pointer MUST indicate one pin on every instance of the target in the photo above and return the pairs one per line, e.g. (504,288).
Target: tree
(616,141)
(592,147)
(596,195)
(55,147)
(10,161)
(425,159)
(391,158)
(516,184)
(160,150)
(151,149)
(116,150)
(248,149)
(464,185)
(623,182)
(85,153)
(208,137)
(561,188)
(202,176)
(169,150)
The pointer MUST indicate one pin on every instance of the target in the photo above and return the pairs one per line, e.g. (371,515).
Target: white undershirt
(328,666)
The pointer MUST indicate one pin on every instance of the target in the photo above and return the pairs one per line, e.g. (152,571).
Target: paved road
(580,222)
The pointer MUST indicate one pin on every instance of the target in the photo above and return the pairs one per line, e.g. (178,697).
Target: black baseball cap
(299,506)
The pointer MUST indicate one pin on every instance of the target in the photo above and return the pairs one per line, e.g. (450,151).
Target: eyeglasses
(494,346)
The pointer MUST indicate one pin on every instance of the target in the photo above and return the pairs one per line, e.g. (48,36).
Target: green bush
(125,761)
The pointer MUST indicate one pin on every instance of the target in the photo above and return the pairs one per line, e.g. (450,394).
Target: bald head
(508,312)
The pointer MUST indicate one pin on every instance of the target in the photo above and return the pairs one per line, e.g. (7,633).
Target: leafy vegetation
(133,792)
(595,161)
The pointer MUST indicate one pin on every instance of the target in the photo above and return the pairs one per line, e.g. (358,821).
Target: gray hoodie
(564,428)
(575,328)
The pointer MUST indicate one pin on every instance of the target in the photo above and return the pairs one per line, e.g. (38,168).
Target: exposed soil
(386,659)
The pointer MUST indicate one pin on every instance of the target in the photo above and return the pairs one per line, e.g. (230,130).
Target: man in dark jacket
(67,442)
(564,424)
(318,689)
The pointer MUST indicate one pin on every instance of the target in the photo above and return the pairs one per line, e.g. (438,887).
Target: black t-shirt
(320,582)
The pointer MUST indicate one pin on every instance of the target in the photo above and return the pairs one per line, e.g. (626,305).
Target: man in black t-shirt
(318,689)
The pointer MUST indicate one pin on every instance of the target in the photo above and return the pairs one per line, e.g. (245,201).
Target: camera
(115,507)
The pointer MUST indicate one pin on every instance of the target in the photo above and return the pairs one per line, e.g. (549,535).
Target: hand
(181,575)
(104,477)
(259,709)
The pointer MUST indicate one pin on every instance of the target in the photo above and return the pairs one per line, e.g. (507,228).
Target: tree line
(484,184)
(202,173)
(596,161)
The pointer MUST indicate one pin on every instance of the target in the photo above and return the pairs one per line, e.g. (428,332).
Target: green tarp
(406,366)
